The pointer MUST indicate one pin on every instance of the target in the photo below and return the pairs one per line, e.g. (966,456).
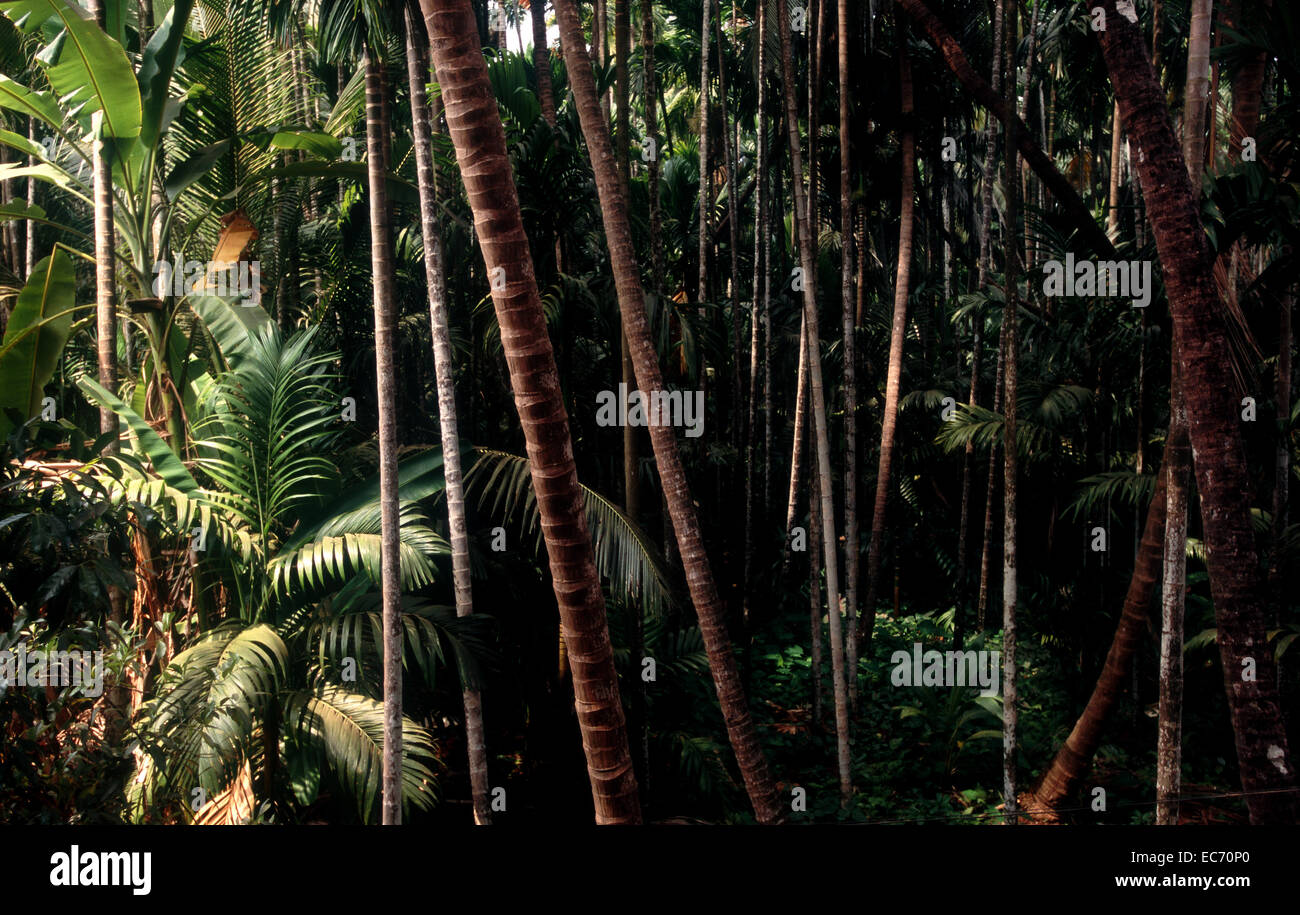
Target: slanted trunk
(663,438)
(479,139)
(894,373)
(807,260)
(1200,334)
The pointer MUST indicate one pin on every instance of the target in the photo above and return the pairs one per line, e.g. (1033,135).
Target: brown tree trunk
(848,301)
(894,376)
(1010,451)
(663,438)
(706,175)
(1169,716)
(542,61)
(479,139)
(1200,334)
(386,348)
(417,66)
(807,259)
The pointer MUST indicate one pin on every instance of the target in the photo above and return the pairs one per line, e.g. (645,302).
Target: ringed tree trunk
(699,576)
(898,331)
(849,323)
(807,260)
(417,65)
(1200,334)
(386,348)
(479,139)
(542,61)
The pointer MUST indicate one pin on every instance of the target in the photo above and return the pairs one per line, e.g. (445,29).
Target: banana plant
(87,87)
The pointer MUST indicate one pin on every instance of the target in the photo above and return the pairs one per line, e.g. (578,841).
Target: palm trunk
(1169,721)
(756,318)
(1116,148)
(807,258)
(851,563)
(990,153)
(542,61)
(386,347)
(991,488)
(706,194)
(815,611)
(699,576)
(797,446)
(1268,775)
(1197,92)
(894,375)
(1010,451)
(479,139)
(417,66)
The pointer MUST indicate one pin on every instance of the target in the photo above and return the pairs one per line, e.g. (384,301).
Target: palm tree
(542,60)
(850,378)
(898,330)
(699,575)
(385,293)
(706,174)
(1169,754)
(417,68)
(1010,448)
(807,258)
(1200,335)
(292,655)
(477,134)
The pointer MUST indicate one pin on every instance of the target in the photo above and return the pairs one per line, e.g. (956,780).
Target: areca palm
(294,559)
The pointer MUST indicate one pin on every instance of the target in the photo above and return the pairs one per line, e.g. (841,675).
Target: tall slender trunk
(652,131)
(386,348)
(898,331)
(1267,772)
(1010,452)
(1197,92)
(1116,148)
(990,154)
(758,329)
(706,191)
(417,68)
(991,488)
(663,438)
(106,348)
(730,155)
(542,61)
(815,606)
(479,139)
(1169,720)
(797,446)
(848,320)
(807,259)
